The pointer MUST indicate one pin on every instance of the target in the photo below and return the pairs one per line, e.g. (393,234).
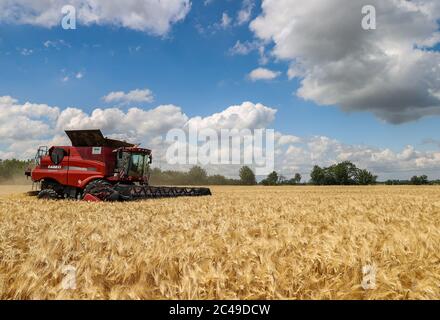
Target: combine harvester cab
(96,168)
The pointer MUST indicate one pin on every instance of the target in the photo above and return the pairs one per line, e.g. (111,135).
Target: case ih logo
(54,167)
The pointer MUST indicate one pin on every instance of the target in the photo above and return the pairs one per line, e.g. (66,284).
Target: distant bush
(415,180)
(422,180)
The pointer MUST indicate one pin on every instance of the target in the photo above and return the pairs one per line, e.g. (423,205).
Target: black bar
(225,309)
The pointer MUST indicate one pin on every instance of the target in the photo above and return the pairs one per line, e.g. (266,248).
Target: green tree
(197,175)
(247,176)
(344,173)
(415,180)
(318,175)
(282,180)
(297,179)
(422,180)
(271,180)
(365,177)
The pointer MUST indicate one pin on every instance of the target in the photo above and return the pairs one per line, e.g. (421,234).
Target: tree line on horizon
(344,173)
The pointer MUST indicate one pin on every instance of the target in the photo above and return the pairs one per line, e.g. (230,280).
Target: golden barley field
(241,243)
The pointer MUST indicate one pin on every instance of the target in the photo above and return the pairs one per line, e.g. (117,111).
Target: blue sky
(189,68)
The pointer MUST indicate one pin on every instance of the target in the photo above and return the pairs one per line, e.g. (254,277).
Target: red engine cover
(78,167)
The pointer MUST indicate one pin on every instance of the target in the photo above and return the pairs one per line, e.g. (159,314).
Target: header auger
(96,168)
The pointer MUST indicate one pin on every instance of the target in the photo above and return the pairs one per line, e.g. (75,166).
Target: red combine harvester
(96,168)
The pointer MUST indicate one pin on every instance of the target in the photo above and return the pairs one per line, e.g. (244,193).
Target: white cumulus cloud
(263,74)
(390,71)
(154,16)
(138,95)
(245,116)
